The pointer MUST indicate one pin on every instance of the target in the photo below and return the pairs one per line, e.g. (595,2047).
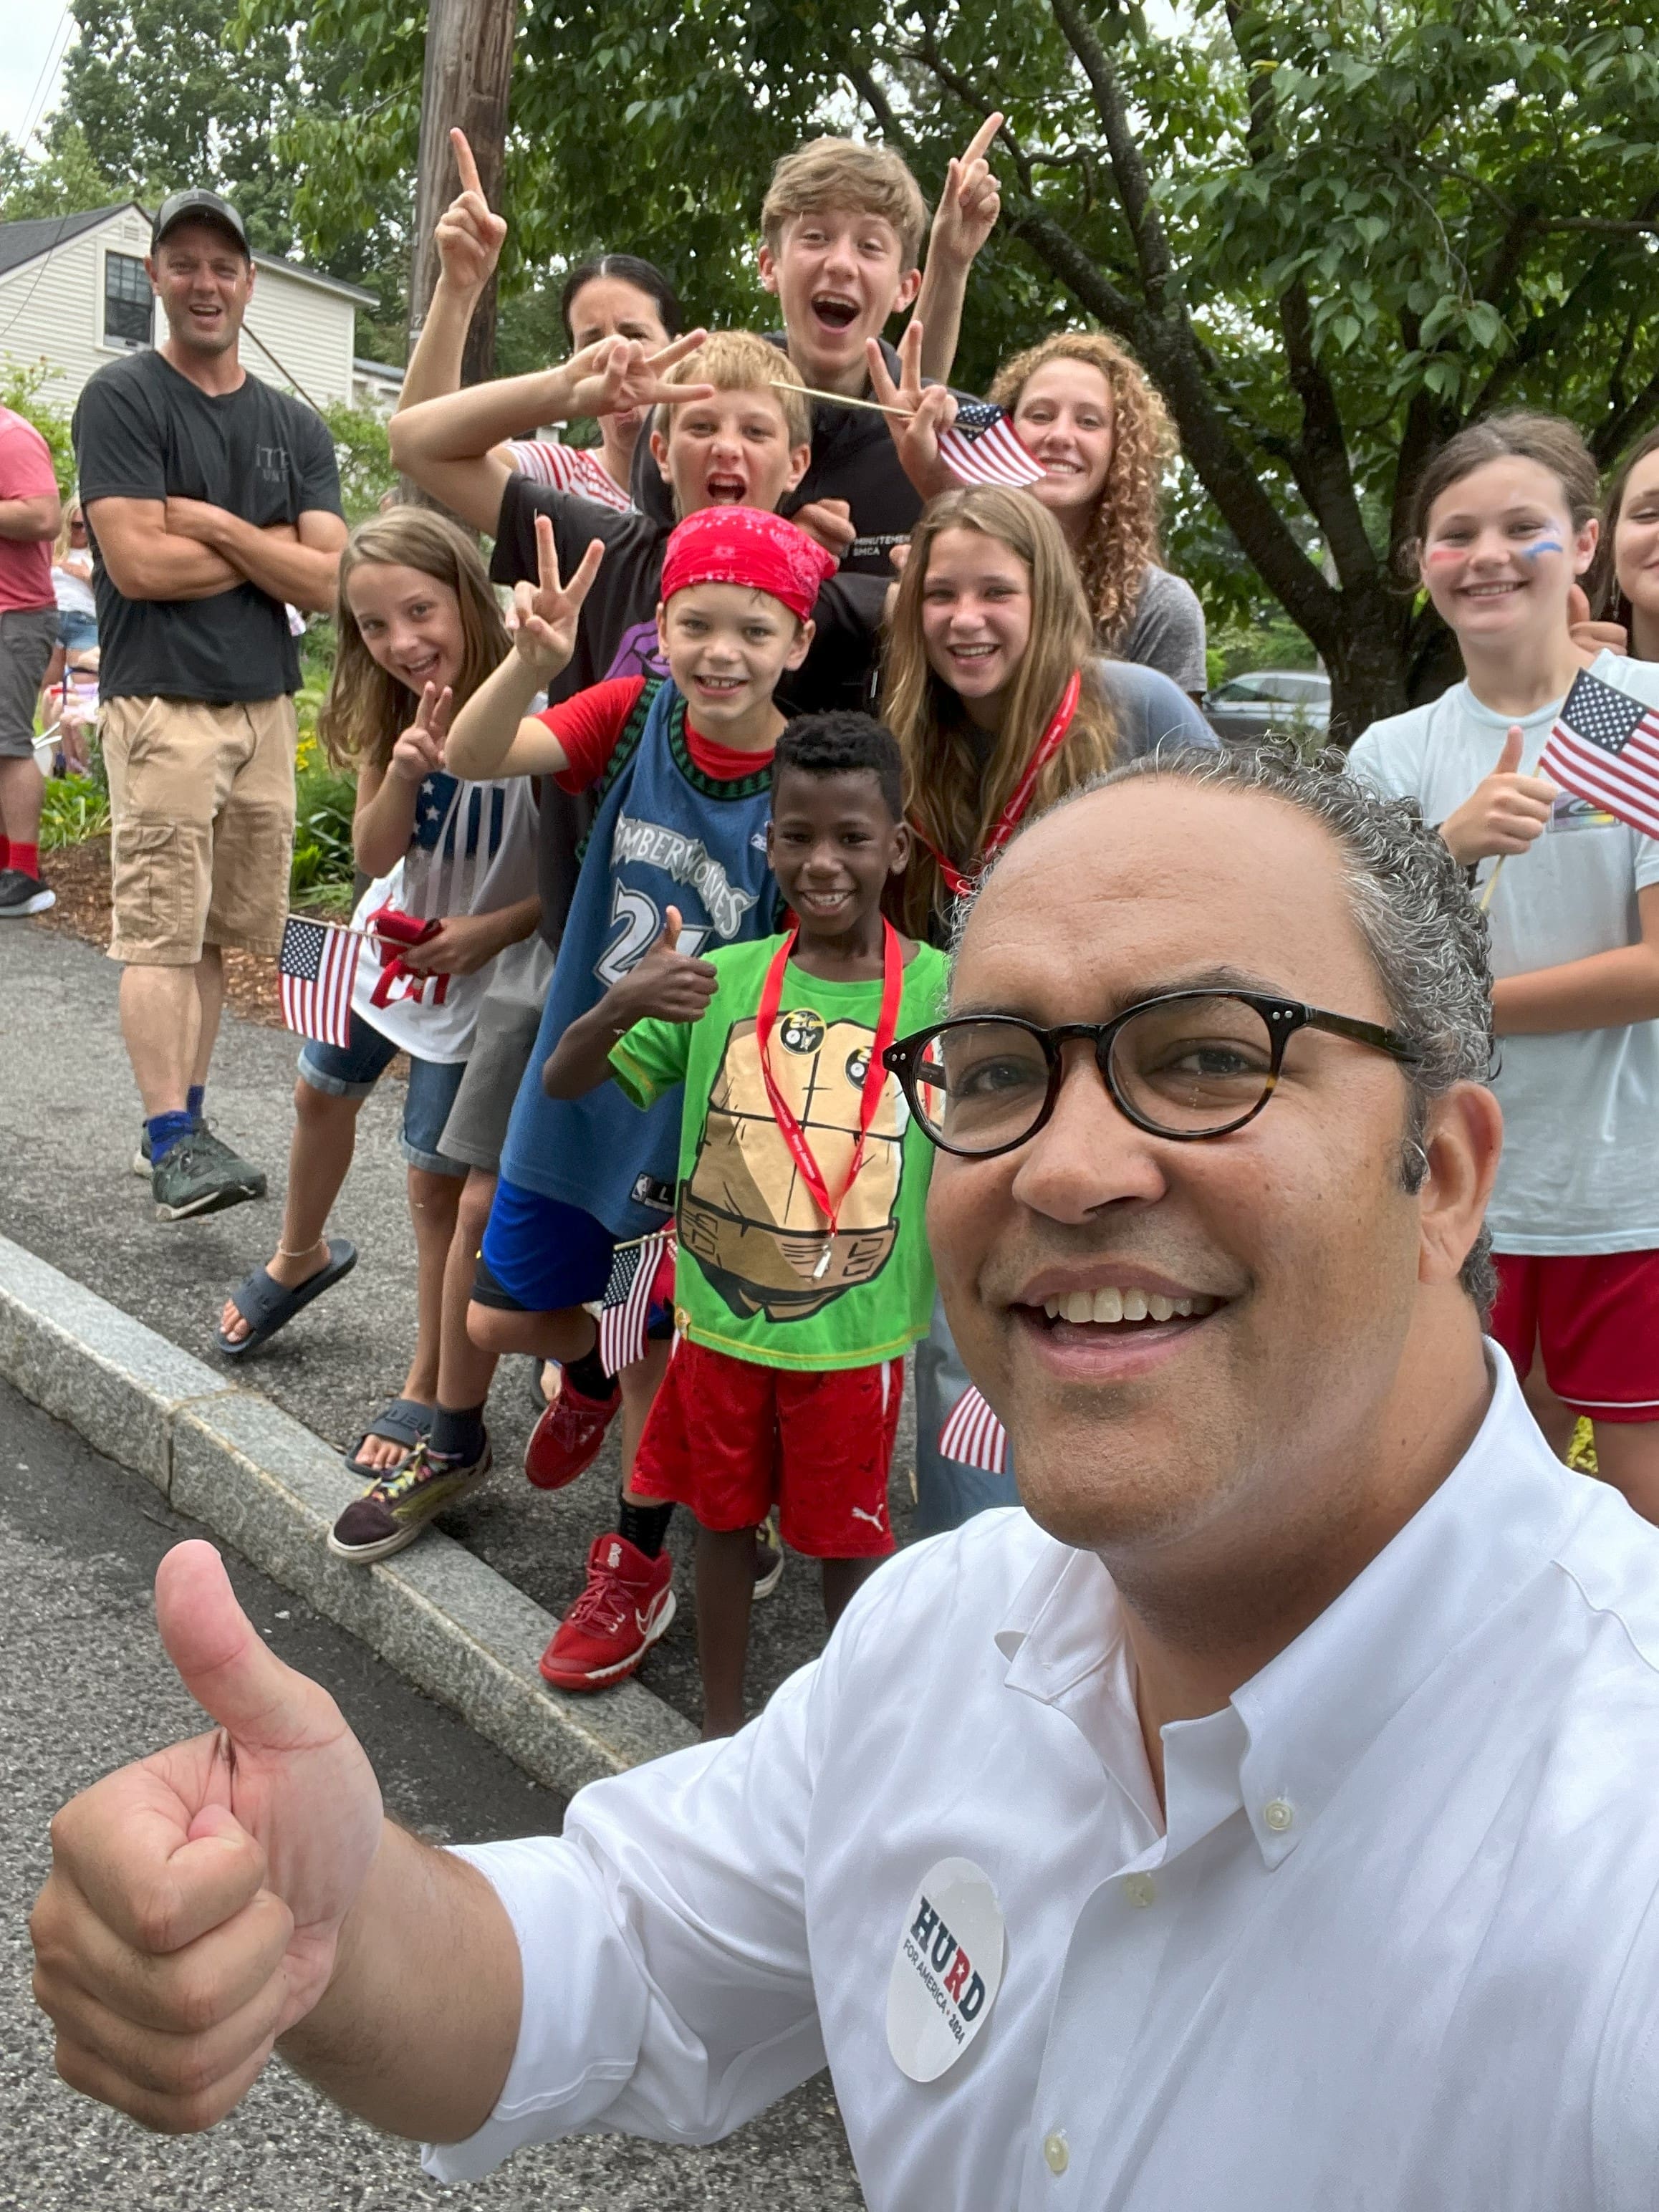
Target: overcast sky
(32,32)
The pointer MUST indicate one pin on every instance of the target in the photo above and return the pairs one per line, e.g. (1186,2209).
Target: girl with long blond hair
(989,686)
(453,865)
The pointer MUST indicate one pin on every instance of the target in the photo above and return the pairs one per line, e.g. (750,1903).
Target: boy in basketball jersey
(803,1273)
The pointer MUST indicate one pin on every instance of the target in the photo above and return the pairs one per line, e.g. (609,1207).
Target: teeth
(1107,1306)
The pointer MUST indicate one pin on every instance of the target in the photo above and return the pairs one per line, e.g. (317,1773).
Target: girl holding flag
(453,869)
(1505,526)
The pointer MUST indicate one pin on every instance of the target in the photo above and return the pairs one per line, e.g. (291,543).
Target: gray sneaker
(200,1176)
(143,1165)
(21,896)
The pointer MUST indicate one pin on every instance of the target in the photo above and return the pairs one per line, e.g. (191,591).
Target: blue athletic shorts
(540,1255)
(352,1070)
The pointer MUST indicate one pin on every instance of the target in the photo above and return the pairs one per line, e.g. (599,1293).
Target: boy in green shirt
(803,1273)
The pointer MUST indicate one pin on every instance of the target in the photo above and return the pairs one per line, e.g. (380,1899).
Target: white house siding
(51,309)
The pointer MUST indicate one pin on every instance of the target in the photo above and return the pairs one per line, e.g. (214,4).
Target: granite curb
(254,1475)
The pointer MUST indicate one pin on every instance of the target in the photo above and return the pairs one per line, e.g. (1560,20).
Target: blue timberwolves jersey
(665,834)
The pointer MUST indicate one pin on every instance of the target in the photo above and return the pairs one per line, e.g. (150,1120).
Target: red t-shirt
(589,724)
(26,473)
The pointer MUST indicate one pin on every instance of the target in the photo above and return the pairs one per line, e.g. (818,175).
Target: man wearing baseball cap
(212,503)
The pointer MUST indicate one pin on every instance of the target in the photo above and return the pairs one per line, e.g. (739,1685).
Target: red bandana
(746,545)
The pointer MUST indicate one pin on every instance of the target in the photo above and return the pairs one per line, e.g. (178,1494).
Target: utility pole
(469,65)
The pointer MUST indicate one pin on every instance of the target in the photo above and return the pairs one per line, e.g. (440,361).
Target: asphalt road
(68,1123)
(87,1688)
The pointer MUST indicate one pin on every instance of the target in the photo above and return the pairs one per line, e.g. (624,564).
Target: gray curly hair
(1411,904)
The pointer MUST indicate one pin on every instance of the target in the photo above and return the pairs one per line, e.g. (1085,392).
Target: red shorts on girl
(1593,1319)
(731,1439)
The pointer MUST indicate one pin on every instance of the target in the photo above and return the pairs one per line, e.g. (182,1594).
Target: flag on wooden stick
(317,966)
(1604,747)
(983,448)
(626,1308)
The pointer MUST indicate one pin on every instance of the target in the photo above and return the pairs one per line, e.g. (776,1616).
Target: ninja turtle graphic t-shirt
(752,1278)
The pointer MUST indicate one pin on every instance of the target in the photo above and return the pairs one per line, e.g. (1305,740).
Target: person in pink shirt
(30,515)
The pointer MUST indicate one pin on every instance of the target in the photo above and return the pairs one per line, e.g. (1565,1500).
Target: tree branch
(1128,170)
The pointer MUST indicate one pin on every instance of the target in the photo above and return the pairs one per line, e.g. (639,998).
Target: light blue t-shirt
(1580,1170)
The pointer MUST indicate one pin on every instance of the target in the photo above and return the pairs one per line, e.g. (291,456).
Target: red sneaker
(567,1437)
(628,1603)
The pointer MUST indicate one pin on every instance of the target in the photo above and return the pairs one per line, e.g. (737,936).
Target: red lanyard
(1009,820)
(875,1079)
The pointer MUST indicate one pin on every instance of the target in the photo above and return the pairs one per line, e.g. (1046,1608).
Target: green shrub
(73,808)
(324,862)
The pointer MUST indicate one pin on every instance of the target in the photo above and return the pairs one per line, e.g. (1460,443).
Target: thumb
(221,1659)
(1578,606)
(1508,761)
(670,935)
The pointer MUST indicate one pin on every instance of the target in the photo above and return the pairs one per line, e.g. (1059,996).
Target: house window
(129,309)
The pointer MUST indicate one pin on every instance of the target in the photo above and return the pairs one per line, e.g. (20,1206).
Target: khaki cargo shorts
(202,825)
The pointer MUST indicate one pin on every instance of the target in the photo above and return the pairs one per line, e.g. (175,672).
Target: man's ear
(802,645)
(766,262)
(1463,1143)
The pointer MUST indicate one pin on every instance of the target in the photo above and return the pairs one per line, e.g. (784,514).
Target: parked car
(1269,701)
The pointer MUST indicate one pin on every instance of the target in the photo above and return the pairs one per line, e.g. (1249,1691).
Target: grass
(72,808)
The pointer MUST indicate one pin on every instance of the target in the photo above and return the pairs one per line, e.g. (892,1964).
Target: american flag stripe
(1604,747)
(995,456)
(973,1436)
(317,967)
(627,1305)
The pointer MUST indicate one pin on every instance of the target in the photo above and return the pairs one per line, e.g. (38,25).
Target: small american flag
(626,1307)
(317,966)
(1605,748)
(983,448)
(973,1436)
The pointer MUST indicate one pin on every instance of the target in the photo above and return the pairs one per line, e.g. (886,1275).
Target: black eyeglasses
(1186,1064)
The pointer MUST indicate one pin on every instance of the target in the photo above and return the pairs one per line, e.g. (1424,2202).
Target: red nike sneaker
(628,1603)
(567,1437)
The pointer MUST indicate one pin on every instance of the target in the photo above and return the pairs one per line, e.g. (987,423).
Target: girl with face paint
(1505,527)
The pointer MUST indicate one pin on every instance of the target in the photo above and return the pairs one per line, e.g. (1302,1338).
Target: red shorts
(731,1439)
(1594,1318)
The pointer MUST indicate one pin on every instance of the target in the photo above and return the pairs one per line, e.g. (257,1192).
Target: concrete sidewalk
(69,1123)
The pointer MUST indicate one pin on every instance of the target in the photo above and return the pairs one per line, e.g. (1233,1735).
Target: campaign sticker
(948,1970)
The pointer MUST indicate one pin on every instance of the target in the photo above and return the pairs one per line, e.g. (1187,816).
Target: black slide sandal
(267,1305)
(405,1422)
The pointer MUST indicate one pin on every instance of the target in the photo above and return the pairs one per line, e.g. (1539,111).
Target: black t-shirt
(853,458)
(618,636)
(144,431)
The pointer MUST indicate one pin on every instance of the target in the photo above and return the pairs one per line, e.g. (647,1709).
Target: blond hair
(366,709)
(738,361)
(62,546)
(950,800)
(1122,540)
(846,173)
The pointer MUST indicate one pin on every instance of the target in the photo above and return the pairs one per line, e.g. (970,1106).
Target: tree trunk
(469,67)
(1367,661)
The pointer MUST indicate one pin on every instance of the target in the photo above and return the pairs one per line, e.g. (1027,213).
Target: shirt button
(1056,2151)
(1139,1888)
(1277,1814)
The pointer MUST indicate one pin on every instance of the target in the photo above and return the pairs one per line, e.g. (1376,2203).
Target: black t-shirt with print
(618,636)
(143,430)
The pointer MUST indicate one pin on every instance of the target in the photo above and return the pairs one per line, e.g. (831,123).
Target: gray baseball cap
(197,207)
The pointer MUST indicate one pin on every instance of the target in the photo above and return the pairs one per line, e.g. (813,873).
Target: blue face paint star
(1544,545)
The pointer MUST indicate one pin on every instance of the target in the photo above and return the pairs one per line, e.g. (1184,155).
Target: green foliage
(72,808)
(19,390)
(66,182)
(364,457)
(323,863)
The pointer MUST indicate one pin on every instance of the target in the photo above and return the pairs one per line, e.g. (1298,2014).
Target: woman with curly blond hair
(1090,417)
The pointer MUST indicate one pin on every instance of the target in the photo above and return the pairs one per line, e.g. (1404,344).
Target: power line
(46,82)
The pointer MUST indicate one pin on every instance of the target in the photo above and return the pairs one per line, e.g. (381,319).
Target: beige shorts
(202,825)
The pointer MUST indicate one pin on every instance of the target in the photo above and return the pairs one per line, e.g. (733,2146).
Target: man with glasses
(1263,1818)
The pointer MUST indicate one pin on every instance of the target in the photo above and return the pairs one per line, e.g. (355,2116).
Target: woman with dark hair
(609,295)
(1623,583)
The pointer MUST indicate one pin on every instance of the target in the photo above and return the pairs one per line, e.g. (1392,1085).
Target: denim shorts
(353,1071)
(77,630)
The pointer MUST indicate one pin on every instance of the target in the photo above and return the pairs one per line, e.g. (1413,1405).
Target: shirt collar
(1294,1731)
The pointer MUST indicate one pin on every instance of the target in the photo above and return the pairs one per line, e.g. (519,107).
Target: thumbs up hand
(196,1899)
(665,984)
(1591,639)
(1504,813)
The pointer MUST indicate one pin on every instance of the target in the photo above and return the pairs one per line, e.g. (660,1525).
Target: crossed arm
(26,521)
(187,549)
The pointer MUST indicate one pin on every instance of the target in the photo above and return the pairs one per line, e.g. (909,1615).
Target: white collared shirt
(1396,1949)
